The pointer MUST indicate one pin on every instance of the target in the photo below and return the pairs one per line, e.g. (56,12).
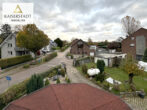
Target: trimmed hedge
(50,56)
(8,62)
(13,93)
(19,90)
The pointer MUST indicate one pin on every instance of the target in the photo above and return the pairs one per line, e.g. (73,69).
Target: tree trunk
(131,75)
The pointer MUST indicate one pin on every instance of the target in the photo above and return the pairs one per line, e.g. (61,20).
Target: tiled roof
(69,97)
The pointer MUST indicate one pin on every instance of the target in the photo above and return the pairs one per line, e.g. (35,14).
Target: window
(132,38)
(9,45)
(132,45)
(10,52)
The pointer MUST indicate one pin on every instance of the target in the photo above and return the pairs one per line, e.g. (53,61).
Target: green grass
(118,74)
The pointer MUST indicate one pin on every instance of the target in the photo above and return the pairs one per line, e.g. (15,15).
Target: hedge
(13,93)
(19,90)
(8,62)
(50,56)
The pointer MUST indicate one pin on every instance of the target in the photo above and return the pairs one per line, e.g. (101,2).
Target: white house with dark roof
(10,49)
(49,47)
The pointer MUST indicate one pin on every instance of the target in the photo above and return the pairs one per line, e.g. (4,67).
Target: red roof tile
(69,97)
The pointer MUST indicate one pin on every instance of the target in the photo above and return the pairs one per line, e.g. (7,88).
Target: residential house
(79,47)
(135,44)
(69,97)
(49,47)
(10,49)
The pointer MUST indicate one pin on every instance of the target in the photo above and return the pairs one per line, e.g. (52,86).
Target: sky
(96,19)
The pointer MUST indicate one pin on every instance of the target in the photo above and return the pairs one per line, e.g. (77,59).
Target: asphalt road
(19,76)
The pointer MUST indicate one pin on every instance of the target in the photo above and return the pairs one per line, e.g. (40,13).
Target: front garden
(117,73)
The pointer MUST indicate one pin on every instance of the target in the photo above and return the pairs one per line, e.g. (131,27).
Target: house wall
(79,51)
(129,44)
(108,61)
(5,49)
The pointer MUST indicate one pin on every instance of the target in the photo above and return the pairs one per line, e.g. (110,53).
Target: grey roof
(13,34)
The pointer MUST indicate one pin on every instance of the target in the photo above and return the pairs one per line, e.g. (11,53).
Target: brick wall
(79,51)
(127,44)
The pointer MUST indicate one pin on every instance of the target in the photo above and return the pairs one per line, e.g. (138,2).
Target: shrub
(35,83)
(8,62)
(84,69)
(69,54)
(62,72)
(145,56)
(101,65)
(116,62)
(26,66)
(100,77)
(58,81)
(64,48)
(106,85)
(47,82)
(51,72)
(13,93)
(116,87)
(50,56)
(67,80)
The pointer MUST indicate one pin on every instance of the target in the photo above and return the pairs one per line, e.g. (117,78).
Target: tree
(101,65)
(145,55)
(5,31)
(59,42)
(90,41)
(114,45)
(129,65)
(35,83)
(31,38)
(130,25)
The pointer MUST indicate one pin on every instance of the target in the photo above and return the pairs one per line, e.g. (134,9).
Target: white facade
(9,48)
(108,58)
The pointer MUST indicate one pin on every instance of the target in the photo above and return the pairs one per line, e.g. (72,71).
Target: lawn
(118,74)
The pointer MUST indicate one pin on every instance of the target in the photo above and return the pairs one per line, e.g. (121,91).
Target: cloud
(98,19)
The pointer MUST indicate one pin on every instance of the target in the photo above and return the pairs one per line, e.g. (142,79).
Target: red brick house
(135,44)
(69,97)
(79,47)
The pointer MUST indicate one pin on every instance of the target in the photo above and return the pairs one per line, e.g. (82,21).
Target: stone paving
(136,103)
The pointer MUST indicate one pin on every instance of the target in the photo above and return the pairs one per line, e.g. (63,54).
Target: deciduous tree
(31,38)
(5,31)
(130,25)
(59,42)
(129,65)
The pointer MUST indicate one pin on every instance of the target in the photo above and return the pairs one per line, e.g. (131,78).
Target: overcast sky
(98,19)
